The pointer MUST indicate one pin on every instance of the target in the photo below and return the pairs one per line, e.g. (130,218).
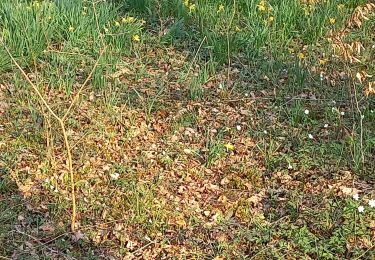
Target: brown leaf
(348,191)
(370,90)
(78,235)
(47,227)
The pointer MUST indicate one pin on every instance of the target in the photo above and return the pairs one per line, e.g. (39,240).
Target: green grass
(178,84)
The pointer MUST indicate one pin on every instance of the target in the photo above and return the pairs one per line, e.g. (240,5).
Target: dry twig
(60,120)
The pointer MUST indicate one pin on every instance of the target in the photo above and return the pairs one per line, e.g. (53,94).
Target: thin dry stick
(63,130)
(96,64)
(41,244)
(195,57)
(83,86)
(361,124)
(364,253)
(62,126)
(97,23)
(49,138)
(353,86)
(228,43)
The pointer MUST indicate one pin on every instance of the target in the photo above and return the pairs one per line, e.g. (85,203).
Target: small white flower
(325,125)
(56,190)
(311,136)
(115,176)
(356,196)
(371,203)
(246,94)
(362,117)
(307,111)
(238,127)
(342,113)
(290,167)
(265,132)
(361,209)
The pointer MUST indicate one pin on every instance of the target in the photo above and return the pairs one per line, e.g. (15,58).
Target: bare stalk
(60,120)
(228,44)
(360,124)
(195,57)
(82,86)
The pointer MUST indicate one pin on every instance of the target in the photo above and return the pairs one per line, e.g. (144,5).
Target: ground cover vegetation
(187,129)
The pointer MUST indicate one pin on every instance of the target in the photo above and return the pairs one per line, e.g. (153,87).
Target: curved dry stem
(35,88)
(71,175)
(228,43)
(83,86)
(60,120)
(63,130)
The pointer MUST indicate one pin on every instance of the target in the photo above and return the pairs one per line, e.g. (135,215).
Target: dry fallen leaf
(47,227)
(369,89)
(78,236)
(348,191)
(361,13)
(224,181)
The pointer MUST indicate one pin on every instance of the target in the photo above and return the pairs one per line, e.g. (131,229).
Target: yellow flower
(142,22)
(186,3)
(301,56)
(106,30)
(136,38)
(117,24)
(332,20)
(340,6)
(129,19)
(229,146)
(84,13)
(262,8)
(71,29)
(290,50)
(322,61)
(192,8)
(238,29)
(36,4)
(271,19)
(221,8)
(306,11)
